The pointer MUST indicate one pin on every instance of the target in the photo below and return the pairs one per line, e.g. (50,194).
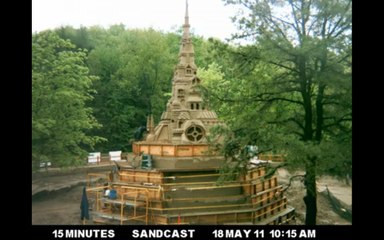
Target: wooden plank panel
(184,151)
(200,150)
(131,176)
(168,150)
(141,177)
(155,150)
(144,148)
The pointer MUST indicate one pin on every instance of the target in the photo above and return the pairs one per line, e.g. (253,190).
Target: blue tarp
(84,206)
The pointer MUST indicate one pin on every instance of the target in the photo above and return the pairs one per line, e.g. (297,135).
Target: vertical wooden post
(121,208)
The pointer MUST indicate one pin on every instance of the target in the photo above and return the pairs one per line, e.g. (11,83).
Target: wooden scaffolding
(187,197)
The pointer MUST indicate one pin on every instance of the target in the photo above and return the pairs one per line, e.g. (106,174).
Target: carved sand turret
(185,124)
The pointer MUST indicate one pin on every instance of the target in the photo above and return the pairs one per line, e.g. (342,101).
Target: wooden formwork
(135,176)
(270,209)
(253,215)
(153,194)
(169,150)
(255,173)
(197,198)
(266,196)
(255,181)
(282,218)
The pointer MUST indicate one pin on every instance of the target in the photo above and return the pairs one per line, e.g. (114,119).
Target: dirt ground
(59,207)
(62,207)
(326,214)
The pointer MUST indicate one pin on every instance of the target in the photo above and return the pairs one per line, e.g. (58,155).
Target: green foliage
(79,37)
(290,90)
(61,88)
(135,70)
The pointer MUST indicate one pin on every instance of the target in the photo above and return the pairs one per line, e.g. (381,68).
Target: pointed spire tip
(186,8)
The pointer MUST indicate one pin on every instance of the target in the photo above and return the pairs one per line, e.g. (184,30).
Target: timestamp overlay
(265,234)
(194,232)
(283,232)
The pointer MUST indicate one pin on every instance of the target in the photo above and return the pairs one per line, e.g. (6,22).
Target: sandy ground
(60,207)
(63,206)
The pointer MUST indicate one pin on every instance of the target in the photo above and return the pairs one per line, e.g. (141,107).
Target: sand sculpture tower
(184,126)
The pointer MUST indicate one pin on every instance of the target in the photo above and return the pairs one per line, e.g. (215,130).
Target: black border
(23,128)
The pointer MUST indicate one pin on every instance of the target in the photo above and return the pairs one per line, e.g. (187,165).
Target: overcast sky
(209,18)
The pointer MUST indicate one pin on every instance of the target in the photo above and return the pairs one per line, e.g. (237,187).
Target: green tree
(61,89)
(79,37)
(291,90)
(135,70)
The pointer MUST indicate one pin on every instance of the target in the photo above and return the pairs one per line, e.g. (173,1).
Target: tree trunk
(310,166)
(319,113)
(310,198)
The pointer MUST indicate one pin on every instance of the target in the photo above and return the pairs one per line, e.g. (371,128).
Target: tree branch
(281,99)
(298,123)
(337,24)
(344,118)
(282,66)
(290,181)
